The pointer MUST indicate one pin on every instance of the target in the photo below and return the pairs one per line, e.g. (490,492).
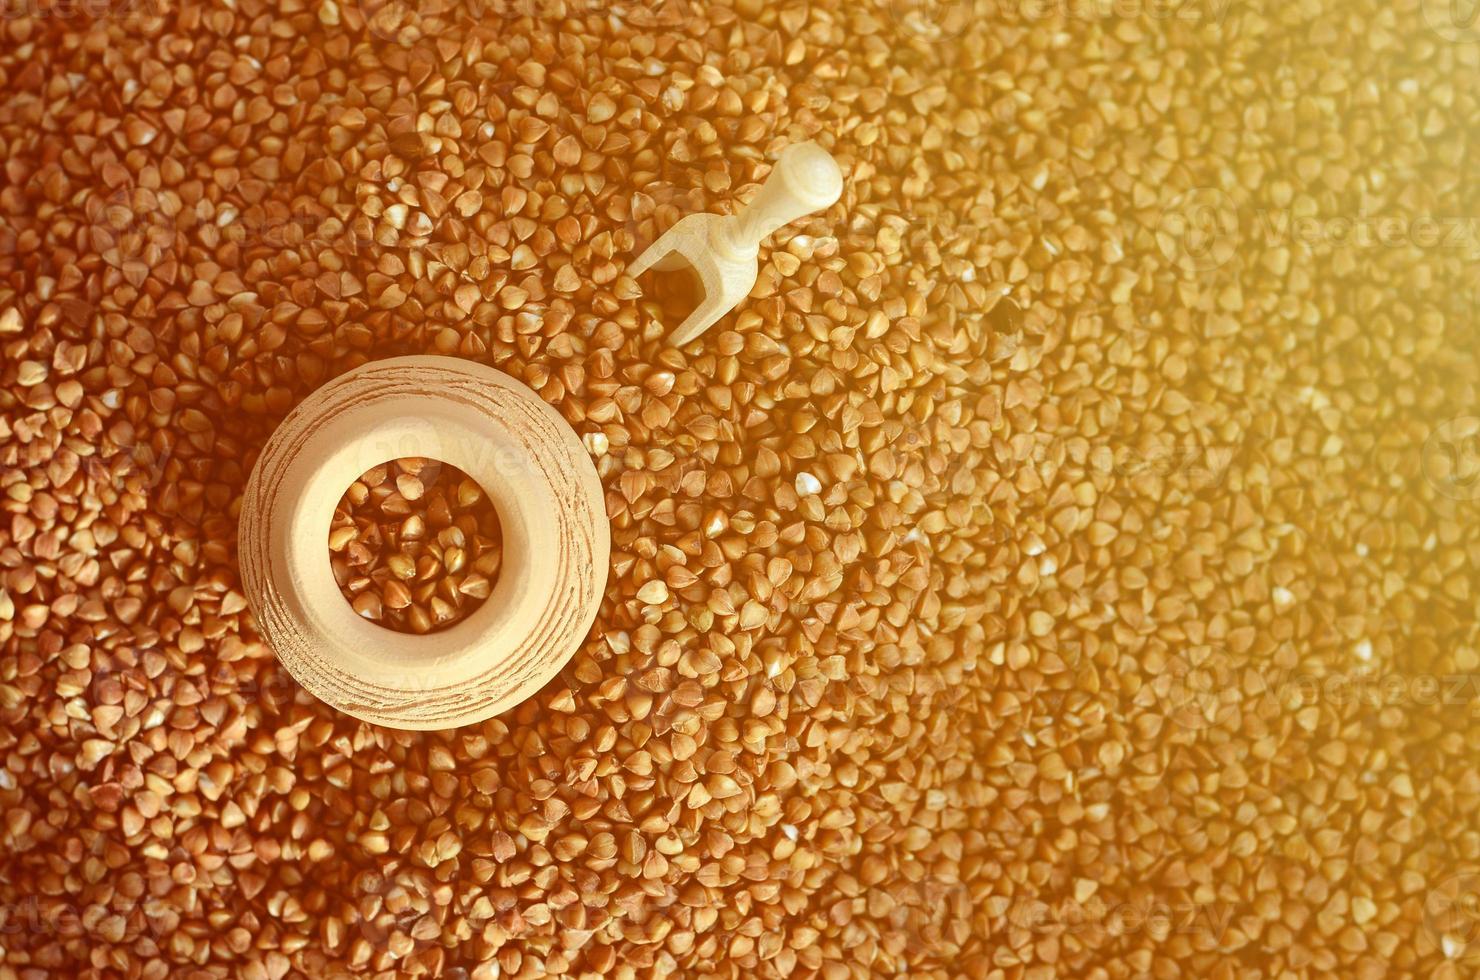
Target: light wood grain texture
(551,509)
(722,249)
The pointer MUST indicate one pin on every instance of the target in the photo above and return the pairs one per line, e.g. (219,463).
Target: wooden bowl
(551,509)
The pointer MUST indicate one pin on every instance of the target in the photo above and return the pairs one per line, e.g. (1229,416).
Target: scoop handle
(805,179)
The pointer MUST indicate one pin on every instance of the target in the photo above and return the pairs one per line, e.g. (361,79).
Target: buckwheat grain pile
(1063,566)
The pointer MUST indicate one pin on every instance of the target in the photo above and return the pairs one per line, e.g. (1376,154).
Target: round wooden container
(556,542)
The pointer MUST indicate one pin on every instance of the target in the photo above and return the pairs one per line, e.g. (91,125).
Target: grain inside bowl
(415,545)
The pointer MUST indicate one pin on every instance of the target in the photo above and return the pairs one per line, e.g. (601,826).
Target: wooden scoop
(722,248)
